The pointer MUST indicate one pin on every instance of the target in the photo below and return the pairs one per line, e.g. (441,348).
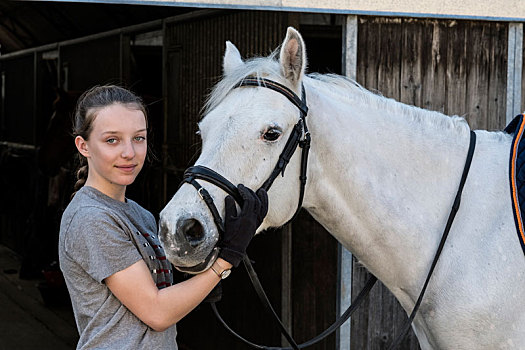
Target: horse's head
(243,132)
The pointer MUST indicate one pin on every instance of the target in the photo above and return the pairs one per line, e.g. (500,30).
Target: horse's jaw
(203,266)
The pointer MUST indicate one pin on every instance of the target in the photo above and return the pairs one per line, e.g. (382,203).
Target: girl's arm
(160,309)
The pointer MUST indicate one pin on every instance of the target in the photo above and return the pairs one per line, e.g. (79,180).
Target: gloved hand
(240,228)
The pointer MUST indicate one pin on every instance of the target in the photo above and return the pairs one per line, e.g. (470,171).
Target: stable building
(460,58)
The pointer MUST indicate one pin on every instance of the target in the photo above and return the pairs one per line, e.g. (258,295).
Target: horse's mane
(350,90)
(340,86)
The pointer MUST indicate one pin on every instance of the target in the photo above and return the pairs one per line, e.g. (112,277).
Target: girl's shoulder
(144,213)
(86,210)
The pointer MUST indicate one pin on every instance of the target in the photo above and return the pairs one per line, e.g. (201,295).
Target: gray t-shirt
(100,236)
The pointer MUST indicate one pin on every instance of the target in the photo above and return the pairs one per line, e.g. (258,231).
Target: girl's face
(115,150)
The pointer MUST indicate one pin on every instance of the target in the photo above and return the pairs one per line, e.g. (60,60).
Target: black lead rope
(262,296)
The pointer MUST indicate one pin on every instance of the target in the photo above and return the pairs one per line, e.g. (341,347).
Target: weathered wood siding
(455,67)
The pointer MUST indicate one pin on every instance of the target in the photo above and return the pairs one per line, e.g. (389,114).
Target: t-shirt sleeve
(99,243)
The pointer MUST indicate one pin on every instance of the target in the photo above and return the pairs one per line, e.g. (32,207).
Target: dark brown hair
(88,105)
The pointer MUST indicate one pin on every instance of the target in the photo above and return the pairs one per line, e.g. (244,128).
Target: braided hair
(88,106)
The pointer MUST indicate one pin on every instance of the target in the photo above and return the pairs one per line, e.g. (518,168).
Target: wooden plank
(433,73)
(286,281)
(389,71)
(476,67)
(498,79)
(368,53)
(314,289)
(411,48)
(456,69)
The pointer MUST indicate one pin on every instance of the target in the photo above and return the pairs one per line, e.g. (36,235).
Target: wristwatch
(223,274)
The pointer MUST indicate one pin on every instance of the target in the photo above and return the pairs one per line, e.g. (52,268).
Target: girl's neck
(117,192)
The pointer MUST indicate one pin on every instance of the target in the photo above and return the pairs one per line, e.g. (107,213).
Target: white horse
(382,177)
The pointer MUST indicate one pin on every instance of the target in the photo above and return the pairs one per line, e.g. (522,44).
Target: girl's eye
(272,134)
(140,138)
(111,141)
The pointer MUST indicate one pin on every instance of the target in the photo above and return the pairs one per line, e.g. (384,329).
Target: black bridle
(301,130)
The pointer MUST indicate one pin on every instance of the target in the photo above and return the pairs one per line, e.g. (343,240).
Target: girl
(119,280)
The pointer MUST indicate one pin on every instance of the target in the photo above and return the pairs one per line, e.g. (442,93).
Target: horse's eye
(272,134)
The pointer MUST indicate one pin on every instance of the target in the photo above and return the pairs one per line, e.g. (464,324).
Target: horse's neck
(382,182)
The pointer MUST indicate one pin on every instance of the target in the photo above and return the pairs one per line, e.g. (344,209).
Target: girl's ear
(82,146)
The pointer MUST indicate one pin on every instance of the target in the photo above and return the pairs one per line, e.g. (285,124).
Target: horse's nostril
(193,231)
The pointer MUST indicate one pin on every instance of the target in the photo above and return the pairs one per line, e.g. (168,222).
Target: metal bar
(18,146)
(48,47)
(514,70)
(198,14)
(344,299)
(483,12)
(126,30)
(131,29)
(349,63)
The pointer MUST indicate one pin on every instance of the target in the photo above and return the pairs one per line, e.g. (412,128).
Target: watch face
(225,273)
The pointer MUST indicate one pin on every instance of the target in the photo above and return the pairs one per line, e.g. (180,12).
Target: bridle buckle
(199,191)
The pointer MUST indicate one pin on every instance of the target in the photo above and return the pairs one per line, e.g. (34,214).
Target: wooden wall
(455,67)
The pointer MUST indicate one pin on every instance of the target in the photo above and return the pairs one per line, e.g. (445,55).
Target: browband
(273,85)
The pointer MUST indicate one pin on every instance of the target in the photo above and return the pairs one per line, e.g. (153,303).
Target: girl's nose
(129,151)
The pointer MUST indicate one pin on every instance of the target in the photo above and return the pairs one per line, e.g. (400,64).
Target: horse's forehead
(251,106)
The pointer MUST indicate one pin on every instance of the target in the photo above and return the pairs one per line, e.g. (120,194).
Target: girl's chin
(124,180)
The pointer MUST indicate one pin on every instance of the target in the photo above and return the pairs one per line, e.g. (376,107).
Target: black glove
(239,229)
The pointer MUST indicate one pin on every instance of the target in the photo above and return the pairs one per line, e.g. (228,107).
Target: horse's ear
(232,58)
(293,56)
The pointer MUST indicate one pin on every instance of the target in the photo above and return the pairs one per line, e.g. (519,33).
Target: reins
(300,129)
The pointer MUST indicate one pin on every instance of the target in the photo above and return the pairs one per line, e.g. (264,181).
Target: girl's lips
(126,168)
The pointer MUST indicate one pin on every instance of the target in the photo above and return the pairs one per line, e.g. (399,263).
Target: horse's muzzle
(187,244)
